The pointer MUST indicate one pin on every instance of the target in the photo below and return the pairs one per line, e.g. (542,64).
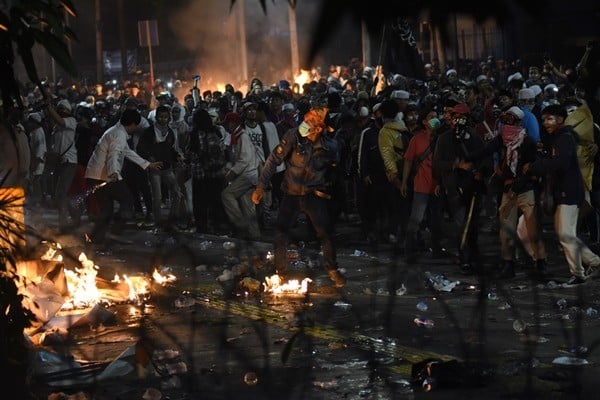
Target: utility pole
(366,45)
(243,51)
(99,63)
(124,69)
(294,41)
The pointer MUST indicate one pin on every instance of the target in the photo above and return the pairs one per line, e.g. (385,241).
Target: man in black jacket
(461,182)
(568,192)
(158,143)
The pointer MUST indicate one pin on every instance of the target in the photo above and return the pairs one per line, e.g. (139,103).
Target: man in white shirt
(103,172)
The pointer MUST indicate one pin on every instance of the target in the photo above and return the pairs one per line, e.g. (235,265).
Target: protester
(462,183)
(568,192)
(104,173)
(309,153)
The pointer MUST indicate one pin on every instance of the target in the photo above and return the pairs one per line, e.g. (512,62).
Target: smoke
(210,31)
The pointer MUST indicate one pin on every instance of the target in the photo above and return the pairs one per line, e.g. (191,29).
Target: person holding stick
(103,173)
(461,182)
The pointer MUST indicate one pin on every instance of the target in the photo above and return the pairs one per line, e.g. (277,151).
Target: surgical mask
(434,123)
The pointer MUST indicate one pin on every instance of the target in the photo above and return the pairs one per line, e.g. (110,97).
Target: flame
(83,291)
(163,279)
(81,284)
(274,285)
(302,78)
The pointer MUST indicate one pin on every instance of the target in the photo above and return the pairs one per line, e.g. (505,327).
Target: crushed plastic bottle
(401,291)
(519,326)
(422,306)
(228,245)
(570,361)
(424,322)
(579,350)
(552,285)
(591,312)
(439,282)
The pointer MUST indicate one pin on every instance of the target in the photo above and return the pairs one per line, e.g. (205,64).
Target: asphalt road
(358,342)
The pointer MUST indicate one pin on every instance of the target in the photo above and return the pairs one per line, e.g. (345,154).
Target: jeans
(106,196)
(576,252)
(423,204)
(157,179)
(239,208)
(510,204)
(317,210)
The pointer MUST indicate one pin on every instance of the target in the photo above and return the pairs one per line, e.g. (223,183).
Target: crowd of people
(402,153)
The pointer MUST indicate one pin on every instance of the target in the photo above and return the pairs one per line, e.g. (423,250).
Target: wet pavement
(206,337)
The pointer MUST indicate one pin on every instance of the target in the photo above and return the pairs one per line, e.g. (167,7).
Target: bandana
(512,137)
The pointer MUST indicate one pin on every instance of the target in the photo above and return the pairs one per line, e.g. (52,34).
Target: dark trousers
(137,181)
(375,204)
(206,203)
(465,210)
(106,196)
(317,211)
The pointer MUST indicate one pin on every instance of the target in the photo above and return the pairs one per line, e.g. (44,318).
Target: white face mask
(571,109)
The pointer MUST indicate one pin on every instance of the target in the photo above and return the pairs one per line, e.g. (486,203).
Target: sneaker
(337,278)
(574,281)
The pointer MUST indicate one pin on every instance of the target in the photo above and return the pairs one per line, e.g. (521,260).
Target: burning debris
(54,292)
(275,285)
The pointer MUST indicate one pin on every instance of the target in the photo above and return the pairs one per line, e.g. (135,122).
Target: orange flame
(274,285)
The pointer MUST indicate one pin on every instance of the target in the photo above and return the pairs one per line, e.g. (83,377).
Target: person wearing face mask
(526,101)
(375,193)
(418,161)
(568,193)
(310,153)
(516,148)
(461,182)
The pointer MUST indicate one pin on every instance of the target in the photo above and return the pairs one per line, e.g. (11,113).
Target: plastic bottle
(591,312)
(422,306)
(424,322)
(519,326)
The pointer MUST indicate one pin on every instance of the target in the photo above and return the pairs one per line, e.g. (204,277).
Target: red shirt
(424,182)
